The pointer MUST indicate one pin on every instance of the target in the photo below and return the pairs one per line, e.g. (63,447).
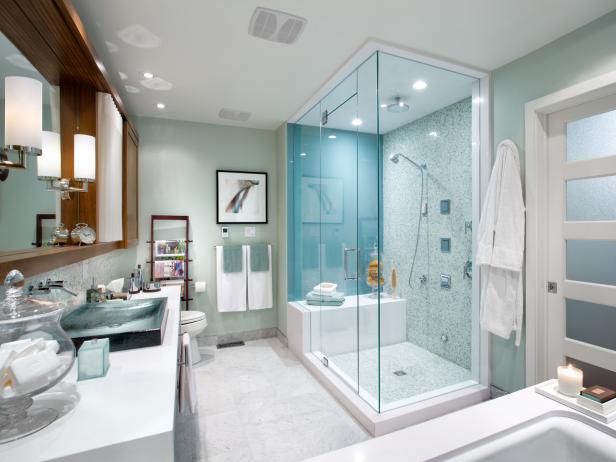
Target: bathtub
(339,329)
(562,436)
(521,427)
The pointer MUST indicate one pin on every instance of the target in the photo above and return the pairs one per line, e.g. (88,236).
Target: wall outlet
(224,232)
(250,231)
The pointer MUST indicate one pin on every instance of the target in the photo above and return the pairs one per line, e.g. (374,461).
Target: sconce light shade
(84,162)
(23,113)
(48,164)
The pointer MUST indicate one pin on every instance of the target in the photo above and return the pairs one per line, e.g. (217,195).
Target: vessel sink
(127,324)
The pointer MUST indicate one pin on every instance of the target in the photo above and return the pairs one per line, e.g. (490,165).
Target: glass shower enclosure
(381,204)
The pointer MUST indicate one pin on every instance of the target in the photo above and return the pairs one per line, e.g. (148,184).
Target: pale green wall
(177,175)
(585,53)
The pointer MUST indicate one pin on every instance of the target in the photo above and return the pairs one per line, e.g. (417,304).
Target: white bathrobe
(500,253)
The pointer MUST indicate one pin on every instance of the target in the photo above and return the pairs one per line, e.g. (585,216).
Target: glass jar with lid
(35,354)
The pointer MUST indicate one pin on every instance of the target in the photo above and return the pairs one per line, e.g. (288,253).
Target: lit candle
(570,380)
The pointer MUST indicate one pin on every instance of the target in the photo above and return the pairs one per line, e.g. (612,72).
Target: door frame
(537,206)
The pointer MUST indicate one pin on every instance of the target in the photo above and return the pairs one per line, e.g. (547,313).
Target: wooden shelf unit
(186,298)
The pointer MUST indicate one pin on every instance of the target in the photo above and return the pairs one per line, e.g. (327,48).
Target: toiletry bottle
(139,277)
(133,288)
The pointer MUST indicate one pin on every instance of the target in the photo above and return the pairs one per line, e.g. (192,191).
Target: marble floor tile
(258,403)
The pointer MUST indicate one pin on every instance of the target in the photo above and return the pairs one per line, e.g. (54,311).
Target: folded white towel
(260,294)
(325,288)
(231,288)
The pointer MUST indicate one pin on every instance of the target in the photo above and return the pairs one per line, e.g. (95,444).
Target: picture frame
(241,197)
(45,224)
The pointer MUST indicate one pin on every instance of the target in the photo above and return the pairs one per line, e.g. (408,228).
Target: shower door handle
(346,265)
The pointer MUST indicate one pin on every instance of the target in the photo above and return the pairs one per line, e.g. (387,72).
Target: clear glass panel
(591,199)
(592,261)
(592,137)
(427,158)
(336,195)
(591,323)
(370,272)
(304,139)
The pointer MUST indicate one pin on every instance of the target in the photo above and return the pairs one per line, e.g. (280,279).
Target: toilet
(193,323)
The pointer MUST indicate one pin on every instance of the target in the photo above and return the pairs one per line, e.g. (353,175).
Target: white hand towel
(231,288)
(260,284)
(188,392)
(500,254)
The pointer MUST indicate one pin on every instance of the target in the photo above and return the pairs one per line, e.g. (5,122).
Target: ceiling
(355,97)
(204,60)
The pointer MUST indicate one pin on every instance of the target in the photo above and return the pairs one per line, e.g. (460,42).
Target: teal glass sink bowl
(127,324)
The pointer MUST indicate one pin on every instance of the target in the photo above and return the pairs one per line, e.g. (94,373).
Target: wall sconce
(23,120)
(84,164)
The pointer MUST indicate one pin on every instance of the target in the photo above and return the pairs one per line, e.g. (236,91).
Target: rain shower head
(398,106)
(395,158)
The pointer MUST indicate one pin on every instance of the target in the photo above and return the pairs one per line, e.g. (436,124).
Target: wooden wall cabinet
(130,186)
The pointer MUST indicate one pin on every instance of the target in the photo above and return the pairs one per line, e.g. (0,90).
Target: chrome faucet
(49,285)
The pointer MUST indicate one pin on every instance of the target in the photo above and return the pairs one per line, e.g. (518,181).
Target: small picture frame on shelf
(169,249)
(241,197)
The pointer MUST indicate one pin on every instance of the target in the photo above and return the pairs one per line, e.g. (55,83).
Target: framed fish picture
(241,197)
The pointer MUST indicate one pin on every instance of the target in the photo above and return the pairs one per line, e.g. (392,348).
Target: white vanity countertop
(438,436)
(127,415)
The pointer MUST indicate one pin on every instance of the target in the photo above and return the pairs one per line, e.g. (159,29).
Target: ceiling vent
(276,26)
(234,114)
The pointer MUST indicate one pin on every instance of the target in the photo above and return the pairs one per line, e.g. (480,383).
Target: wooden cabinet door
(130,191)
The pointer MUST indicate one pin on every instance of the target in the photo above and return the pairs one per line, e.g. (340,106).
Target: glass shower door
(350,176)
(338,228)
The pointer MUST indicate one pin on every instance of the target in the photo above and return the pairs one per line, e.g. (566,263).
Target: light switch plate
(250,231)
(224,232)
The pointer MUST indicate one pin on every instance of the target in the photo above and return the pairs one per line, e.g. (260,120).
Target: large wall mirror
(28,211)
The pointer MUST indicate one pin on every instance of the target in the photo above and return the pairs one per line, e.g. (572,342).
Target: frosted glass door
(582,228)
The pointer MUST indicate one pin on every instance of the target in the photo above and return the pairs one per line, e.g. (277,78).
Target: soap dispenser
(92,294)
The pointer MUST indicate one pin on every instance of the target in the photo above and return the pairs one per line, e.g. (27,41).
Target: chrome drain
(399,373)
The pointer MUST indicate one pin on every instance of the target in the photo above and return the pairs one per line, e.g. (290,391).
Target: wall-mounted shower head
(395,158)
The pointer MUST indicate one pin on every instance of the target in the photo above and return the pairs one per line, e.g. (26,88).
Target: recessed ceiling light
(332,137)
(160,105)
(303,154)
(356,122)
(420,85)
(433,134)
(148,75)
(384,105)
